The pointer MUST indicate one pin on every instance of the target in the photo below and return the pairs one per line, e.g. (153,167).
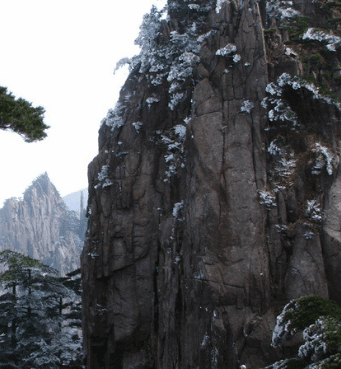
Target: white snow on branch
(178,207)
(273,89)
(247,106)
(278,109)
(103,174)
(283,328)
(114,118)
(281,10)
(175,99)
(308,235)
(169,157)
(313,211)
(267,199)
(316,339)
(194,6)
(173,87)
(290,52)
(189,58)
(103,178)
(273,149)
(137,125)
(183,67)
(237,58)
(331,40)
(227,50)
(180,130)
(328,157)
(93,255)
(151,100)
(285,167)
(219,5)
(205,36)
(107,183)
(121,63)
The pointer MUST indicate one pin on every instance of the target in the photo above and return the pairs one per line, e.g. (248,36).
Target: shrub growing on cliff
(168,57)
(21,117)
(320,321)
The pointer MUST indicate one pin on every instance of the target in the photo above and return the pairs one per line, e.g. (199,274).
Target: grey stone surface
(194,246)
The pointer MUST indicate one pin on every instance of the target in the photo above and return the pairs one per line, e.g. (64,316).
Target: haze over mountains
(73,200)
(215,197)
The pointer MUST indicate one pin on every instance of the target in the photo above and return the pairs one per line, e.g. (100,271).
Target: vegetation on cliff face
(320,321)
(40,315)
(18,115)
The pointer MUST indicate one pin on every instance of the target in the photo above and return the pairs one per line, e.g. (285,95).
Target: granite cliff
(42,227)
(215,197)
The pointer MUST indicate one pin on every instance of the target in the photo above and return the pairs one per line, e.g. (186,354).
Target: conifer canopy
(21,117)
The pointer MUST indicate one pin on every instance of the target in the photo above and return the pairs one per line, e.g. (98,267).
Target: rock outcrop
(215,196)
(42,227)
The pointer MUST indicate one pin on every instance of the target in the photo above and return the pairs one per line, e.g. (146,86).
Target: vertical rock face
(41,227)
(215,195)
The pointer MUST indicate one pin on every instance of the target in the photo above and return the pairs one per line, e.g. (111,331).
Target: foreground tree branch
(21,117)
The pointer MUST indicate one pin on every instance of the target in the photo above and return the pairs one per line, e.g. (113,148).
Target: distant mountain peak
(42,227)
(42,185)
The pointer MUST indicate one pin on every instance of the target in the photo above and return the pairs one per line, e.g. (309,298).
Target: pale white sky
(61,55)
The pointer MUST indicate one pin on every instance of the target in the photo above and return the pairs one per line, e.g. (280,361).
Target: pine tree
(21,117)
(320,322)
(39,315)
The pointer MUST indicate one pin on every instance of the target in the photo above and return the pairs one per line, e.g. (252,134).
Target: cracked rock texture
(41,227)
(195,242)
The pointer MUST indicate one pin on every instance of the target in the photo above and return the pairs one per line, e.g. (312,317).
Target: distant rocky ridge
(42,227)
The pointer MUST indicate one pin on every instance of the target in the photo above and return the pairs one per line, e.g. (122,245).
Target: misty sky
(61,55)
